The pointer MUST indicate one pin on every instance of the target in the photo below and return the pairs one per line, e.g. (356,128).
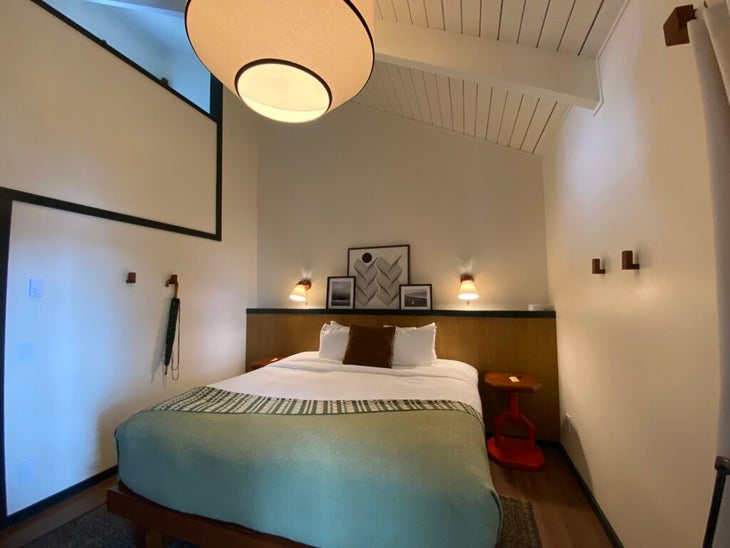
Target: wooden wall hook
(627,260)
(675,27)
(173,281)
(131,277)
(596,267)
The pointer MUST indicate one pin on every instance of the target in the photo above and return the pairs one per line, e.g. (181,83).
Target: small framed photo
(415,297)
(341,292)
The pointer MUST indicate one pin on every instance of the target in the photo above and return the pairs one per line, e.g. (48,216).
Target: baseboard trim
(610,532)
(46,503)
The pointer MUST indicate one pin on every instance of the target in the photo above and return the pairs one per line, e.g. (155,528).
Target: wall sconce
(467,290)
(299,293)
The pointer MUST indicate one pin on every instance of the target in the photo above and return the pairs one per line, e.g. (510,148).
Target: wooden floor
(563,515)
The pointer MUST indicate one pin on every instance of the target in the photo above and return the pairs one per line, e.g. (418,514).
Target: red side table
(510,451)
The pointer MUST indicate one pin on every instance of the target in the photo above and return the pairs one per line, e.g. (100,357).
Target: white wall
(638,358)
(111,24)
(360,177)
(153,39)
(82,125)
(87,354)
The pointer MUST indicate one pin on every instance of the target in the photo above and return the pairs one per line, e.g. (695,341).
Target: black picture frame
(416,297)
(340,292)
(379,271)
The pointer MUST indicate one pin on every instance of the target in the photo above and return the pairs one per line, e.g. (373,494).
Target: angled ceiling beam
(564,77)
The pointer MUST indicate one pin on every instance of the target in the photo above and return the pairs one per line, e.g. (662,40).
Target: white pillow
(333,341)
(414,345)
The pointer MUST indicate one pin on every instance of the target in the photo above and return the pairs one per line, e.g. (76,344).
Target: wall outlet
(35,288)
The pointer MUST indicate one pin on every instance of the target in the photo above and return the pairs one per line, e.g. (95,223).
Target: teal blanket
(385,478)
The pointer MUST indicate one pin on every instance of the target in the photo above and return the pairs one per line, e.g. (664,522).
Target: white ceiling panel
(434,14)
(605,20)
(496,113)
(471,16)
(579,25)
(556,21)
(532,22)
(484,100)
(504,112)
(509,117)
(511,21)
(444,93)
(452,15)
(402,11)
(523,121)
(470,108)
(418,13)
(491,15)
(456,79)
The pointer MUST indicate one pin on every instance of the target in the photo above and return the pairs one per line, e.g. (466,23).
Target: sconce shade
(299,293)
(288,60)
(467,290)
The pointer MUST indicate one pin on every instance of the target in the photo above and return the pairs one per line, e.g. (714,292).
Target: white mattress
(306,376)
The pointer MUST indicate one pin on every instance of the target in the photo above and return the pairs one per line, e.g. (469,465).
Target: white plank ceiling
(488,105)
(503,71)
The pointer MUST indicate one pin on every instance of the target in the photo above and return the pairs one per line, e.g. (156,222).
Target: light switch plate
(35,288)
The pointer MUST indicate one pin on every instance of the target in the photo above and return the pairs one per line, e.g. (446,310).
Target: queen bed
(325,453)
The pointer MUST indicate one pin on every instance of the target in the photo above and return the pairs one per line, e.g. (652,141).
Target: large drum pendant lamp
(288,60)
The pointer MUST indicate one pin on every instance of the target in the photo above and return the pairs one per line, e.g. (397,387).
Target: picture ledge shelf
(398,312)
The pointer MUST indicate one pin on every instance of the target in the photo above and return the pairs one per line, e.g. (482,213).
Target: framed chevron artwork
(379,272)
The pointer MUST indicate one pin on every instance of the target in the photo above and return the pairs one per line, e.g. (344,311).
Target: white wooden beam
(557,76)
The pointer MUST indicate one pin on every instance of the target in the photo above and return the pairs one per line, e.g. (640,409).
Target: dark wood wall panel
(519,344)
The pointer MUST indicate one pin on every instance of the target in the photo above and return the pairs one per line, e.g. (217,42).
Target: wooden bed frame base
(156,525)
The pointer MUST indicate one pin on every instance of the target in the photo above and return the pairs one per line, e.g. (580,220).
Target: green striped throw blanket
(205,399)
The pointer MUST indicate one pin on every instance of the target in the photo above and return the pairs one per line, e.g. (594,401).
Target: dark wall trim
(25,513)
(216,110)
(6,213)
(607,527)
(12,195)
(396,312)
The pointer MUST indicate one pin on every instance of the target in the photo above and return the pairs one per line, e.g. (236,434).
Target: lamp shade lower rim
(283,91)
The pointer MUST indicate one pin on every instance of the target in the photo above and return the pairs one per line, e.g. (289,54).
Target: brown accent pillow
(371,346)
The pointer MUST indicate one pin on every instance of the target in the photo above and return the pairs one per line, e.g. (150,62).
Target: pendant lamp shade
(288,60)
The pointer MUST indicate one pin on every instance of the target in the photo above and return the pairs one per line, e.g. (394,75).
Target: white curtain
(710,39)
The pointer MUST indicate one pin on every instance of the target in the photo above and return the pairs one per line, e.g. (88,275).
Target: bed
(324,453)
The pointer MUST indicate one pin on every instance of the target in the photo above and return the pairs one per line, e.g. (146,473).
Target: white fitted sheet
(308,377)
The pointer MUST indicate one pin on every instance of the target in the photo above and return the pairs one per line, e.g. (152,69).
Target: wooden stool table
(510,451)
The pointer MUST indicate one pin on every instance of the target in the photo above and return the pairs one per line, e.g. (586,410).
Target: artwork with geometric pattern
(379,273)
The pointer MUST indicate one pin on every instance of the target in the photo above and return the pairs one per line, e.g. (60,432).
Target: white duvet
(306,376)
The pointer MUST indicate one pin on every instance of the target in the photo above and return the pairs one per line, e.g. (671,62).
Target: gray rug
(101,529)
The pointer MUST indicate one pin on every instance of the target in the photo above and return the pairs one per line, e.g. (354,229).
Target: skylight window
(151,33)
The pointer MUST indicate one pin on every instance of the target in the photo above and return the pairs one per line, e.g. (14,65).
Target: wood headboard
(521,342)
